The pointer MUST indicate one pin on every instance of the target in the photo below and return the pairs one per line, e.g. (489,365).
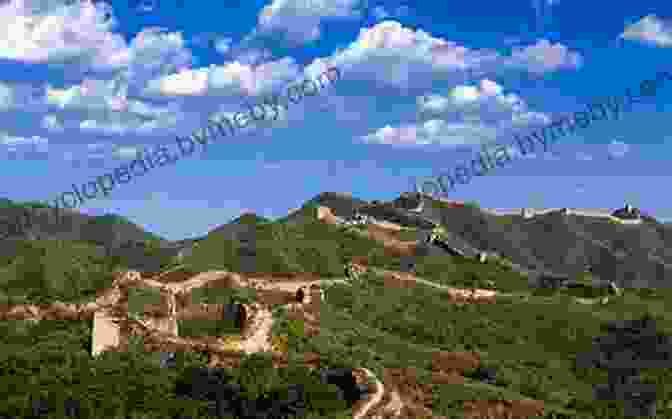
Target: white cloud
(108,109)
(543,57)
(92,127)
(61,34)
(126,152)
(651,30)
(156,53)
(34,147)
(299,20)
(467,115)
(392,54)
(186,83)
(51,123)
(223,45)
(7,96)
(436,132)
(252,56)
(617,149)
(232,78)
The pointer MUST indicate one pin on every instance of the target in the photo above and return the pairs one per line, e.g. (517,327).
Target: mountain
(632,255)
(111,236)
(22,220)
(443,332)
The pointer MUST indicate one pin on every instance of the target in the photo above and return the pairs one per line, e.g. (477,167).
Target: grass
(141,297)
(311,247)
(507,219)
(201,328)
(532,343)
(466,273)
(409,234)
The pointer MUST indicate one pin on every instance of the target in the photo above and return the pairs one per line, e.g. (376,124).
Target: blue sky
(83,86)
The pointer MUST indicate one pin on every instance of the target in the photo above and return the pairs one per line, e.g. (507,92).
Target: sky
(86,86)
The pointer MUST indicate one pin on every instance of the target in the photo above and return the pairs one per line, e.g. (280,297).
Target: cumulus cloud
(299,20)
(617,149)
(543,56)
(651,30)
(107,108)
(156,52)
(80,35)
(232,79)
(9,140)
(434,131)
(90,126)
(51,123)
(252,56)
(62,33)
(28,148)
(467,115)
(223,45)
(392,54)
(126,152)
(7,96)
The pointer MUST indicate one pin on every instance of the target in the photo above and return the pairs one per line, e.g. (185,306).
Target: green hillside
(531,339)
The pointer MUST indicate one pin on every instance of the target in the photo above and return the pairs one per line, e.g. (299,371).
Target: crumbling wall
(106,332)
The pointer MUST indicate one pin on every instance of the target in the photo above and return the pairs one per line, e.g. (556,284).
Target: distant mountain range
(632,255)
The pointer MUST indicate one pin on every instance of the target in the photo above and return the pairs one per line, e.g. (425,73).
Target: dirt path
(453,292)
(395,404)
(259,340)
(375,398)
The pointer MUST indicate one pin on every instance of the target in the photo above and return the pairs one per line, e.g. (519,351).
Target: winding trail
(375,398)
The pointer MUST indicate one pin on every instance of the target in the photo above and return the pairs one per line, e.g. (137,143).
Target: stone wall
(106,332)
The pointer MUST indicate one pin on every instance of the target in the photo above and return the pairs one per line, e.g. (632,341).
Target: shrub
(472,204)
(296,328)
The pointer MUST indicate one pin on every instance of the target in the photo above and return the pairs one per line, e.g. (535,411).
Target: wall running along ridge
(546,136)
(186,145)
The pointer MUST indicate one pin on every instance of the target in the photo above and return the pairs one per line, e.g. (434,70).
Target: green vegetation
(307,212)
(507,219)
(250,219)
(49,270)
(466,273)
(311,246)
(533,343)
(51,359)
(140,297)
(201,328)
(218,327)
(408,234)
